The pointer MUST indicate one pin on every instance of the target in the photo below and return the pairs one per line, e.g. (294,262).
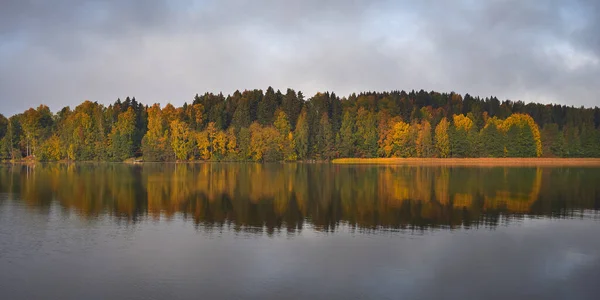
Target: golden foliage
(442,140)
(523,120)
(462,122)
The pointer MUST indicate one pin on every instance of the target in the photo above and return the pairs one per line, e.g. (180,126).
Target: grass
(549,162)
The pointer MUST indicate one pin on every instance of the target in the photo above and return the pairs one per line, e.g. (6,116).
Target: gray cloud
(63,52)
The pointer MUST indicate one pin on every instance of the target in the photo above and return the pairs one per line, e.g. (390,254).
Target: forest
(257,125)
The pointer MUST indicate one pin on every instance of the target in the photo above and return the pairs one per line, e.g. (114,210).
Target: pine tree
(493,141)
(366,133)
(266,107)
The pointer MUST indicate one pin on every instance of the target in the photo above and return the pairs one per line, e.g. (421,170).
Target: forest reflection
(254,197)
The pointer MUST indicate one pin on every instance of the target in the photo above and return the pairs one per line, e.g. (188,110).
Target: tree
(155,144)
(220,145)
(31,129)
(325,139)
(301,135)
(3,126)
(263,143)
(347,140)
(366,133)
(553,141)
(181,140)
(292,105)
(203,145)
(244,138)
(459,136)
(442,140)
(494,140)
(285,138)
(51,149)
(195,116)
(523,138)
(241,116)
(232,146)
(266,107)
(424,142)
(402,142)
(121,136)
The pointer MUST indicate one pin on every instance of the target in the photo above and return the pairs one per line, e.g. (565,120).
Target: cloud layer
(62,52)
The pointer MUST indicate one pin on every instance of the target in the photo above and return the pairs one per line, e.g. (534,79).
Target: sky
(62,52)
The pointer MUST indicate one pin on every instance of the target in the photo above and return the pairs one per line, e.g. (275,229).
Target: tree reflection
(253,197)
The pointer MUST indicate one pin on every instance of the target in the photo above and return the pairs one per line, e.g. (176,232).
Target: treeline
(272,126)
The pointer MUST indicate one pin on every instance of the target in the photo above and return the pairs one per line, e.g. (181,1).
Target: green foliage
(520,142)
(244,137)
(346,138)
(492,141)
(267,107)
(553,141)
(366,133)
(325,138)
(301,135)
(122,136)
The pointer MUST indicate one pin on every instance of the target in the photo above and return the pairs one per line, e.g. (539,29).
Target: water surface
(299,231)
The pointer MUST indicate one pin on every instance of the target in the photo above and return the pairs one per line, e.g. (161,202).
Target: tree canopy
(253,125)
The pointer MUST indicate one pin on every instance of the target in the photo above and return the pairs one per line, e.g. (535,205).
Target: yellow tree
(211,131)
(263,142)
(194,114)
(203,145)
(462,122)
(442,141)
(285,137)
(219,144)
(51,149)
(181,141)
(424,143)
(155,143)
(231,142)
(386,135)
(401,137)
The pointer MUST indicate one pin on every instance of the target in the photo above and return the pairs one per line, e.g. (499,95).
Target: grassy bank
(550,162)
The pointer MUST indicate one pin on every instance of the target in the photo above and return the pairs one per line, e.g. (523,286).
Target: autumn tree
(424,141)
(523,138)
(263,143)
(156,144)
(181,140)
(442,140)
(285,138)
(402,140)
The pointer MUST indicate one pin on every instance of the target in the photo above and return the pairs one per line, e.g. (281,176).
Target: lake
(298,231)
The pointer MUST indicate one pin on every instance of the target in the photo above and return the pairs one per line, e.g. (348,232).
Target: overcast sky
(62,52)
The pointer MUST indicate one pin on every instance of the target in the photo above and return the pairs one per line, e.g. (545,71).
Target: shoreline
(413,161)
(481,162)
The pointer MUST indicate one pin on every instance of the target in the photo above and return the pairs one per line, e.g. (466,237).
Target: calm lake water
(298,231)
